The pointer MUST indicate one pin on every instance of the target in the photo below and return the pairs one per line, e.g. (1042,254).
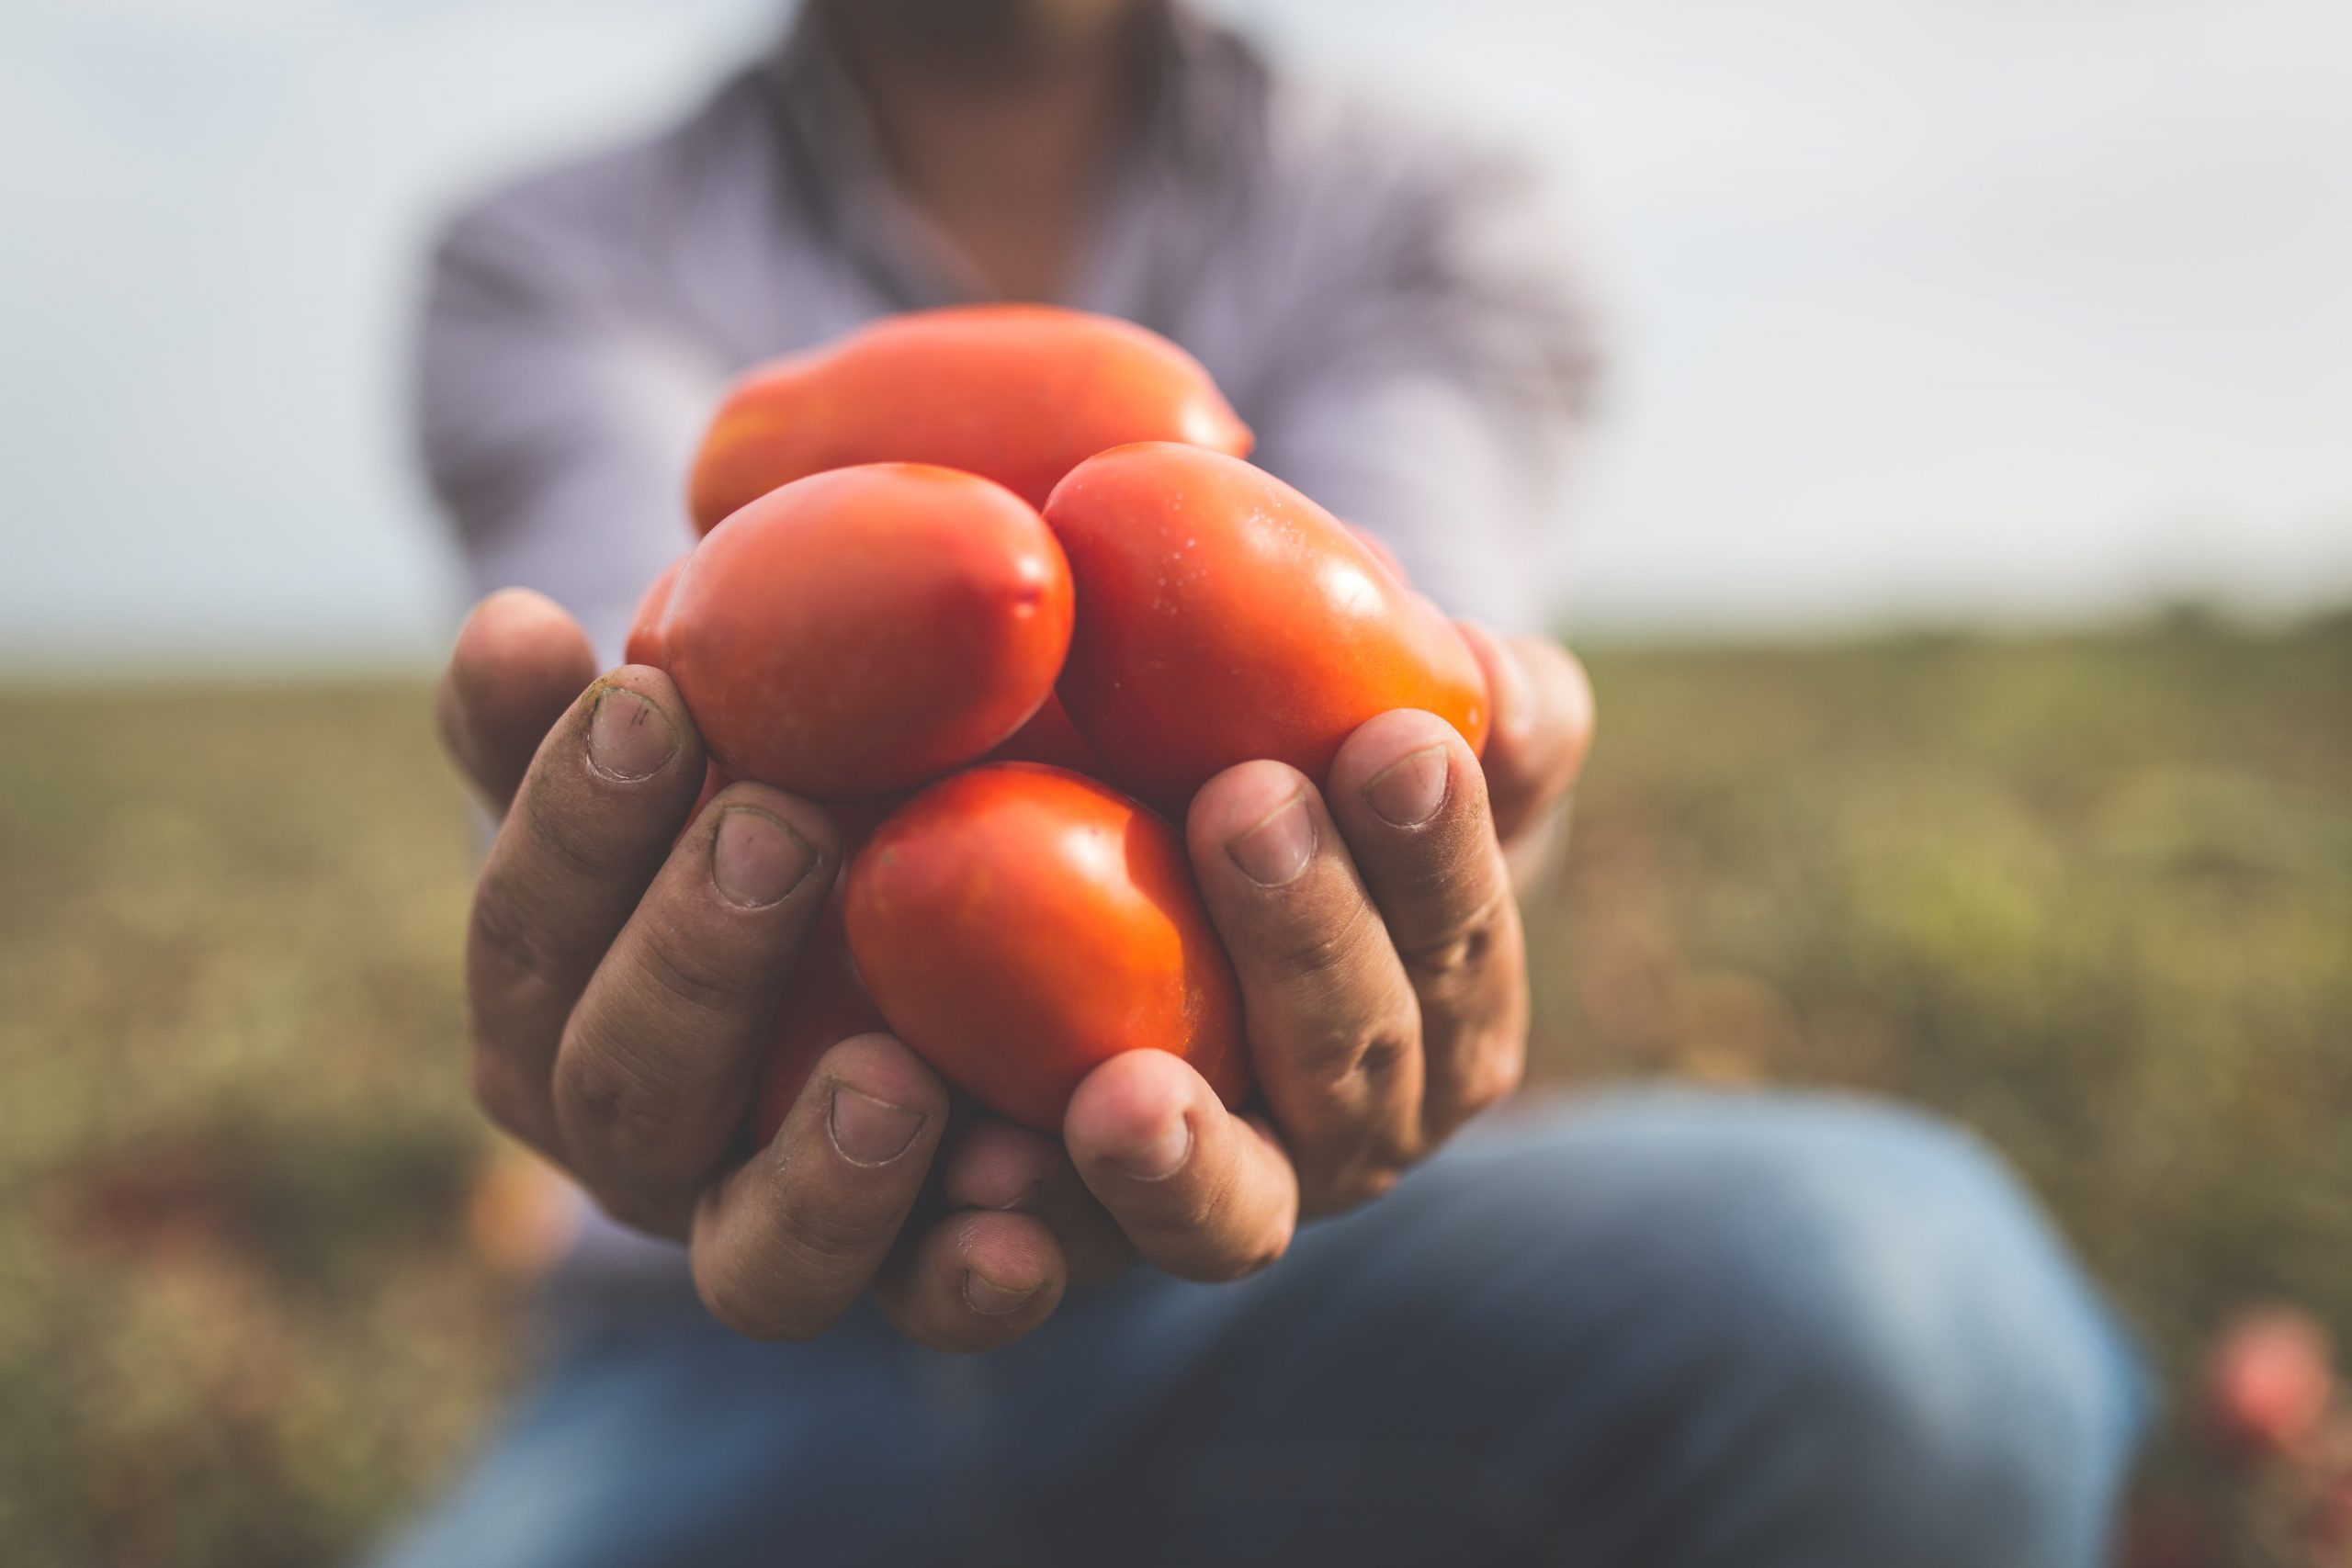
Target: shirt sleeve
(555,420)
(1435,373)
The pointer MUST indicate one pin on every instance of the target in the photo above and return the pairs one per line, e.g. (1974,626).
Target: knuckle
(1306,949)
(580,851)
(696,975)
(1363,1055)
(513,943)
(613,1103)
(821,1242)
(1465,946)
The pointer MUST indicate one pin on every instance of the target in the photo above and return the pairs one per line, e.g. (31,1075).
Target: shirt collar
(1192,72)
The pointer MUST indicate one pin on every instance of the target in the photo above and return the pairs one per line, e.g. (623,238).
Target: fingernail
(988,1298)
(870,1131)
(1408,792)
(628,739)
(1278,848)
(1163,1156)
(756,859)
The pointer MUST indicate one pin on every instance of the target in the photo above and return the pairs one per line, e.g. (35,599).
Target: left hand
(1384,977)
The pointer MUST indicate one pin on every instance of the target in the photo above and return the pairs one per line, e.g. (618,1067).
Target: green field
(2092,895)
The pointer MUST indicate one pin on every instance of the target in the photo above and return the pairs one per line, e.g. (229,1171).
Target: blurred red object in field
(2269,1379)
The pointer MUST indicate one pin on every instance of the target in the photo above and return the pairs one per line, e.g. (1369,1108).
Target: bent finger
(1202,1193)
(518,662)
(789,1239)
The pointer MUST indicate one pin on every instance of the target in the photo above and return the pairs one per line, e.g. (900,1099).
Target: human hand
(621,992)
(1384,974)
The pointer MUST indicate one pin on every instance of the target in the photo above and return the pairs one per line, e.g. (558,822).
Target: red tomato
(860,631)
(1051,738)
(823,1005)
(647,643)
(1221,615)
(1020,393)
(1019,925)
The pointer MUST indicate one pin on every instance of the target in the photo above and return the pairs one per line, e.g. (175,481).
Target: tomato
(860,631)
(1222,616)
(1020,393)
(1019,925)
(823,1005)
(1051,738)
(647,643)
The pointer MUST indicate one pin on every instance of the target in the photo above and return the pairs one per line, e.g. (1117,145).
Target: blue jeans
(1656,1330)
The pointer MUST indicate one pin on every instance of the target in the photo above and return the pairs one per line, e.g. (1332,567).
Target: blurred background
(1962,561)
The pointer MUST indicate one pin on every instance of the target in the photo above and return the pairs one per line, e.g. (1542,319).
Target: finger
(1202,1194)
(993,1163)
(657,1061)
(974,1282)
(590,826)
(1543,725)
(1411,802)
(1334,1032)
(791,1237)
(519,662)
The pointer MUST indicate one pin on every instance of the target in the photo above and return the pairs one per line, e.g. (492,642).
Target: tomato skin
(861,631)
(1224,616)
(1020,393)
(1052,739)
(648,642)
(1020,924)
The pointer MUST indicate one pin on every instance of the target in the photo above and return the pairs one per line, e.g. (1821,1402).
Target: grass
(2092,895)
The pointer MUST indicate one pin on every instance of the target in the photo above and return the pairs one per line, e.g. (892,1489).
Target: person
(1655,1328)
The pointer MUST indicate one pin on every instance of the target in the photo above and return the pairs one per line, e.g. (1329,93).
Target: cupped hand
(1384,974)
(622,988)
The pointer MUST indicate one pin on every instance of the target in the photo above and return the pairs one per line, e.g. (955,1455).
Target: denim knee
(1936,1370)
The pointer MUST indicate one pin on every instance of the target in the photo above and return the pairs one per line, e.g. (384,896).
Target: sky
(1922,311)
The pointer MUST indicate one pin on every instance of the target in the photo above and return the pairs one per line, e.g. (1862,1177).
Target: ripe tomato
(1221,615)
(1019,924)
(647,643)
(860,631)
(1020,393)
(1051,738)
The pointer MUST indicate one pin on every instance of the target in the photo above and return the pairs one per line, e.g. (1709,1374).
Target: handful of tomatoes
(996,584)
